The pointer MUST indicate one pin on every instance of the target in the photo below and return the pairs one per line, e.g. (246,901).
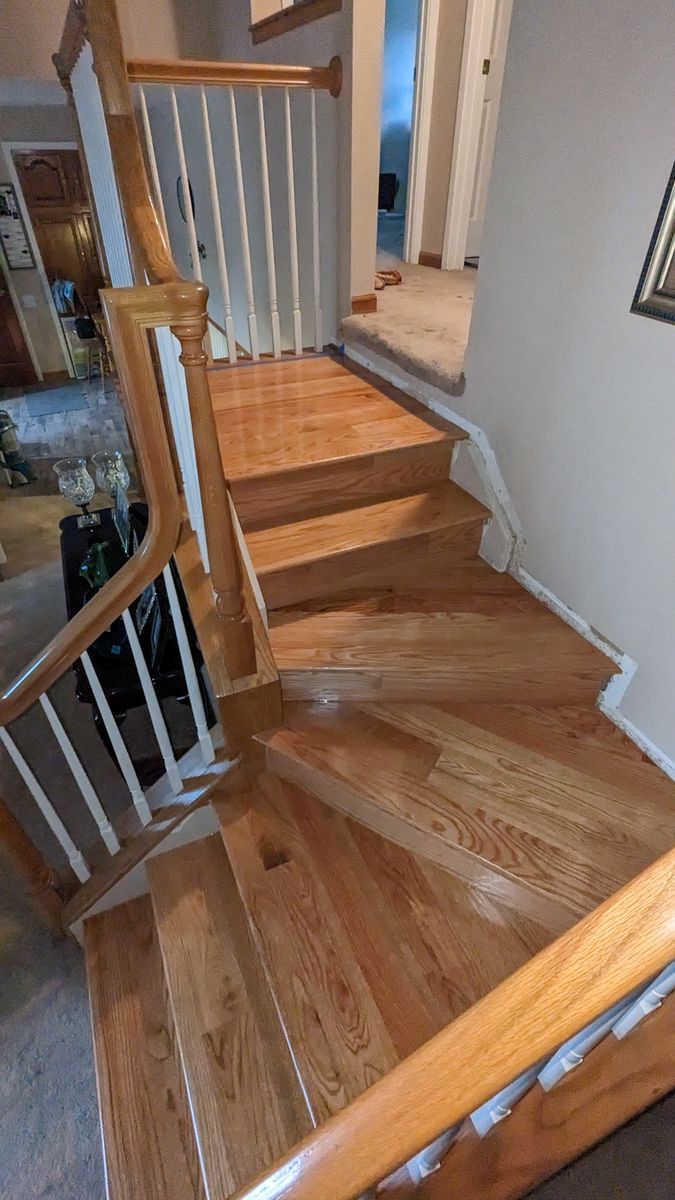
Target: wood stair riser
(367,565)
(292,494)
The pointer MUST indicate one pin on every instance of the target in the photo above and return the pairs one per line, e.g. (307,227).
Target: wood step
(246,1103)
(417,646)
(369,949)
(353,547)
(294,436)
(529,830)
(148,1143)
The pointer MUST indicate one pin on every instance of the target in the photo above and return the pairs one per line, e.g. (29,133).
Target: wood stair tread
(369,949)
(245,1100)
(441,507)
(415,646)
(148,1143)
(533,832)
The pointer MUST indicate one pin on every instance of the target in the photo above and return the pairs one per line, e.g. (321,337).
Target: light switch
(28,300)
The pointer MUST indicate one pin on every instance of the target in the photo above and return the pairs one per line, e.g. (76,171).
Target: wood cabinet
(54,189)
(51,179)
(15,362)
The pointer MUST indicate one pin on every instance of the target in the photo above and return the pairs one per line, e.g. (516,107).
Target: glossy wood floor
(442,799)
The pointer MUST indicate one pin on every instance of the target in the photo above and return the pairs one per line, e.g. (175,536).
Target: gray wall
(575,393)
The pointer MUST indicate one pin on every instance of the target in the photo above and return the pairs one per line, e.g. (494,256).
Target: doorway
(398,85)
(52,182)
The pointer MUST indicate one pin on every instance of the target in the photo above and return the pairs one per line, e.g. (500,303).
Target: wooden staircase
(441,801)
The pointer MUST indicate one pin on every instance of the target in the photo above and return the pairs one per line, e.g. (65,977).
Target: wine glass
(77,485)
(112,475)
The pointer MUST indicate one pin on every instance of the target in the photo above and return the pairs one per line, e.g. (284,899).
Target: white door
(493,63)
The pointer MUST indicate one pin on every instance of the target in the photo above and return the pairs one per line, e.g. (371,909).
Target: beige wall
(30,35)
(452,15)
(40,123)
(574,391)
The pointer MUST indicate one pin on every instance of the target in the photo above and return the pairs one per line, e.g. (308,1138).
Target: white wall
(398,81)
(449,46)
(575,393)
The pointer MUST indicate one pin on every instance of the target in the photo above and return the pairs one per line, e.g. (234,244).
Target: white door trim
(477,30)
(425,71)
(21,147)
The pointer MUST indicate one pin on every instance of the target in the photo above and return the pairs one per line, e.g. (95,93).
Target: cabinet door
(68,252)
(15,363)
(51,178)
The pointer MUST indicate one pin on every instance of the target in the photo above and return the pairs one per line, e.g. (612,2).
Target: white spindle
(316,243)
(269,233)
(243,226)
(117,742)
(152,159)
(156,715)
(205,740)
(185,185)
(293,227)
(46,807)
(81,778)
(218,227)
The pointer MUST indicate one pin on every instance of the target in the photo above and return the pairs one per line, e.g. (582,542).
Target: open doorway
(398,85)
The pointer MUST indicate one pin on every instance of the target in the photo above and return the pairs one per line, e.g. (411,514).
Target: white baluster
(152,159)
(81,778)
(185,185)
(293,227)
(46,807)
(243,225)
(196,703)
(269,233)
(316,241)
(218,227)
(156,715)
(117,742)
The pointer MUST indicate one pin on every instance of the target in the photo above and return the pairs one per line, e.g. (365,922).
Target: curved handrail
(627,940)
(131,312)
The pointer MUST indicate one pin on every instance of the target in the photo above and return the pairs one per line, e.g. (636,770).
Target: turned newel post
(221,539)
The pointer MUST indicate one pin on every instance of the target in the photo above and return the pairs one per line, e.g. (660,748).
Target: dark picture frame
(655,292)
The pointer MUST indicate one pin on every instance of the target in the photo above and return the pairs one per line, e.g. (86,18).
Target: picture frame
(655,293)
(13,233)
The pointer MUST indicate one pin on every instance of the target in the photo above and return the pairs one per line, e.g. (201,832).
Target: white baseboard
(504,542)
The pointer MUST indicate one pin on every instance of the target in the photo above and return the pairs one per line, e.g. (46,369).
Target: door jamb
(477,29)
(26,147)
(425,71)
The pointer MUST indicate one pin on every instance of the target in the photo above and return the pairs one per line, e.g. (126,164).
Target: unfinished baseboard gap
(505,550)
(509,551)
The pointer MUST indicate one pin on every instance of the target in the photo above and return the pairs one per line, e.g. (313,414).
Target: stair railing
(622,944)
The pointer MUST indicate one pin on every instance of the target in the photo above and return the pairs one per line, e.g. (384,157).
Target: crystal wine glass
(77,485)
(111,472)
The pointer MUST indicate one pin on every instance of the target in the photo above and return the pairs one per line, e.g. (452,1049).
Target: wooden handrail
(160,70)
(629,939)
(131,312)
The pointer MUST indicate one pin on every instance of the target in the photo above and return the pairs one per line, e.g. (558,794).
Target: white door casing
(425,69)
(485,41)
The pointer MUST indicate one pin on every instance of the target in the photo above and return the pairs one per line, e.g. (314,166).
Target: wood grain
(148,1143)
(353,546)
(245,1099)
(547,1130)
(369,950)
(367,303)
(524,1019)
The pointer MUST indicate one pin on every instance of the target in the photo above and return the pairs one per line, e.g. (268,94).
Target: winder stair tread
(246,1103)
(369,949)
(489,808)
(148,1143)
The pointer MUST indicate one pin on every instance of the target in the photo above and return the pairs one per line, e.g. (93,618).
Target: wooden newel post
(221,539)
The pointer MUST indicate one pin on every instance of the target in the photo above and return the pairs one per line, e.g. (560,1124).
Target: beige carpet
(422,324)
